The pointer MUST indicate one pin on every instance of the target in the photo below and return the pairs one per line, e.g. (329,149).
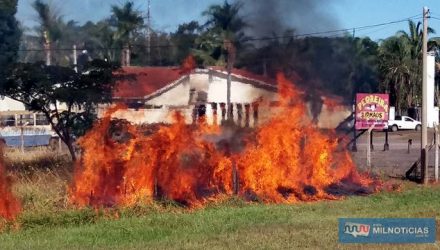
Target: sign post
(372,112)
(369,147)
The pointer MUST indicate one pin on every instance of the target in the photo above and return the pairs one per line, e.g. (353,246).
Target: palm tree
(396,70)
(127,21)
(49,29)
(223,37)
(414,38)
(224,32)
(413,42)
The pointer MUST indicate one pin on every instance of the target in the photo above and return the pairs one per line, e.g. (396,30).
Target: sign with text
(387,230)
(372,109)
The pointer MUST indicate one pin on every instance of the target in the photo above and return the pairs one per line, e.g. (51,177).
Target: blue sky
(167,14)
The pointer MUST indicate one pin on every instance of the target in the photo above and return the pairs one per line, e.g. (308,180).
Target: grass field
(230,224)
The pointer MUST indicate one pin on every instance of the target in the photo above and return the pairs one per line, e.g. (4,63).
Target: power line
(340,30)
(329,32)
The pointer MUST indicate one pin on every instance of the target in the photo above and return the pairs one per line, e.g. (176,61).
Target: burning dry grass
(288,160)
(232,224)
(9,204)
(39,177)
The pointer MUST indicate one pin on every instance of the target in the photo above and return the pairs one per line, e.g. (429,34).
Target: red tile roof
(138,82)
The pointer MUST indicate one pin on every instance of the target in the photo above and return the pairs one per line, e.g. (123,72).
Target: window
(7,120)
(25,119)
(408,120)
(41,119)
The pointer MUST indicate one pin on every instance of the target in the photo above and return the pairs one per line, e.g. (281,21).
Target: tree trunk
(69,144)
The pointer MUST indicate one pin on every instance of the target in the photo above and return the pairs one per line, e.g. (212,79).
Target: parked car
(404,122)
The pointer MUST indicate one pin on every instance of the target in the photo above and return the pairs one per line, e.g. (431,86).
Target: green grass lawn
(232,224)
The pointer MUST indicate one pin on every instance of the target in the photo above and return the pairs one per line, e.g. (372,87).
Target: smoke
(269,17)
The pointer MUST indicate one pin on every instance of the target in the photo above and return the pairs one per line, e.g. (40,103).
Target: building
(152,93)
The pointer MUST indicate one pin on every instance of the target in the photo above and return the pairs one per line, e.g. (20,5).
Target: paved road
(397,160)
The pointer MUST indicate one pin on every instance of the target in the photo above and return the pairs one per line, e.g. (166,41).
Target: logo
(392,230)
(357,229)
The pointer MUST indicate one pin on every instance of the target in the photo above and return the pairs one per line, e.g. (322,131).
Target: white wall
(151,115)
(200,81)
(432,112)
(179,95)
(7,104)
(240,92)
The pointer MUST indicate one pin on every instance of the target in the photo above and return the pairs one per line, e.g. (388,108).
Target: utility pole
(149,32)
(231,51)
(75,59)
(424,145)
(47,48)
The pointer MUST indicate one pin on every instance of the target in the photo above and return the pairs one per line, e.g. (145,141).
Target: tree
(414,39)
(9,37)
(223,35)
(393,56)
(50,30)
(65,97)
(99,40)
(401,64)
(363,63)
(414,42)
(184,39)
(126,21)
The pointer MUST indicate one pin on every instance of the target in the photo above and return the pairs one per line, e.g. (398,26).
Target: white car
(404,122)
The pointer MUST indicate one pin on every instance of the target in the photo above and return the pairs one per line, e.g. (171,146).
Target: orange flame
(285,160)
(175,163)
(188,64)
(9,205)
(291,160)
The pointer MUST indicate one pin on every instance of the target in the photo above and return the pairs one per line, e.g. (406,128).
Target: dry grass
(35,158)
(40,177)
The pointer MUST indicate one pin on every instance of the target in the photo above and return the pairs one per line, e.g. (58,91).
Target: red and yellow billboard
(372,109)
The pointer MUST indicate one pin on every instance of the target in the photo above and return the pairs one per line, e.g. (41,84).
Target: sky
(168,14)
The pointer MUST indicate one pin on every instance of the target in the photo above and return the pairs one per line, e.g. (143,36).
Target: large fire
(9,206)
(292,160)
(285,160)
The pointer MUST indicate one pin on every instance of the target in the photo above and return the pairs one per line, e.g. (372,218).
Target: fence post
(386,146)
(22,139)
(369,148)
(22,136)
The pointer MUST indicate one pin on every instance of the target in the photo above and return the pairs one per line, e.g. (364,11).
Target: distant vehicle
(404,122)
